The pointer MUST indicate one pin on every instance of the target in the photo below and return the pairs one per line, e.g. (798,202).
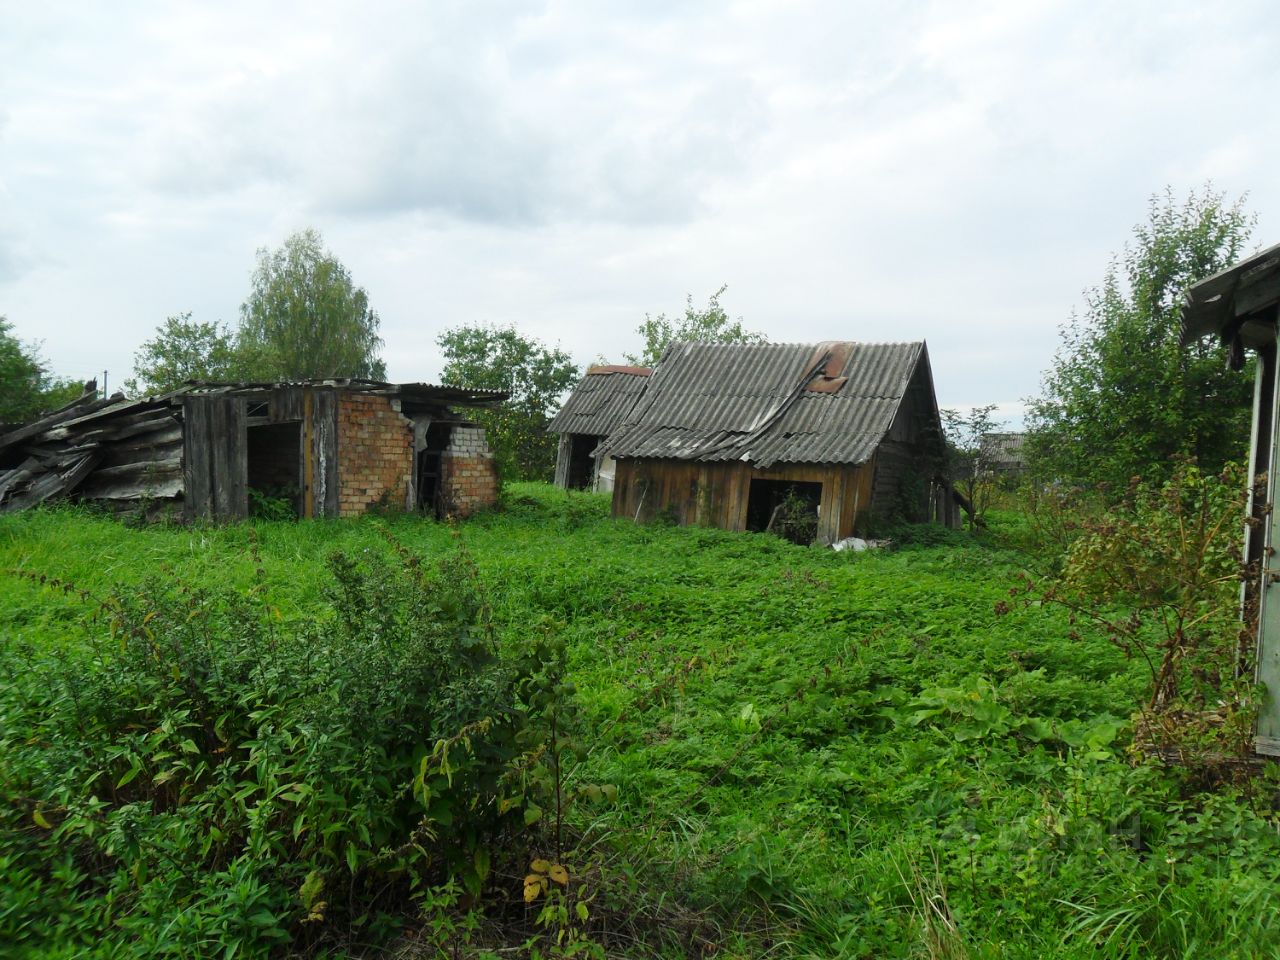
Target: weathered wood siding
(214,468)
(320,453)
(910,457)
(564,451)
(716,494)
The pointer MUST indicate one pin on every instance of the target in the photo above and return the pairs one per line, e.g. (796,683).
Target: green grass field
(815,754)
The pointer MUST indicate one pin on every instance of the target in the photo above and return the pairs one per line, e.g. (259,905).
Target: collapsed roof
(121,448)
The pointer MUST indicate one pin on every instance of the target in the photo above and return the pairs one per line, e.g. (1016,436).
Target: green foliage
(967,464)
(26,388)
(709,325)
(796,519)
(1160,573)
(536,376)
(181,350)
(206,778)
(805,753)
(305,317)
(1123,398)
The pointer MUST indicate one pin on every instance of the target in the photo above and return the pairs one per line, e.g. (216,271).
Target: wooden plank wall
(564,450)
(716,494)
(214,470)
(320,445)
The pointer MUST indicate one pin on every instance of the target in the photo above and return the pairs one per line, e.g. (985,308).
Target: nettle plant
(1160,575)
(213,779)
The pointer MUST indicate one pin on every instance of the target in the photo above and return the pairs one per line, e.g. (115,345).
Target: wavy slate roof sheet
(601,401)
(769,403)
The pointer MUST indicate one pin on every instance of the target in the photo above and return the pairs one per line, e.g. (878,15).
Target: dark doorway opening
(582,468)
(430,464)
(788,508)
(273,464)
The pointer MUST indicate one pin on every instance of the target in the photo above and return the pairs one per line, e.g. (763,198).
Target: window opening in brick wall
(274,466)
(581,466)
(429,465)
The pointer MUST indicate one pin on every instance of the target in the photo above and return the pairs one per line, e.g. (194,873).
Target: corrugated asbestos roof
(769,403)
(601,401)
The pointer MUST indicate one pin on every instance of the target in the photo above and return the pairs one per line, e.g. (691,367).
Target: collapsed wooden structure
(597,407)
(725,434)
(1241,306)
(318,448)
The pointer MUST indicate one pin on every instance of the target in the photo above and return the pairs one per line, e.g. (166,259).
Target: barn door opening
(788,508)
(581,465)
(273,465)
(428,482)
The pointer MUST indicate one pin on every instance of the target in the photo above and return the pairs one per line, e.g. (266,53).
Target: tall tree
(709,325)
(181,350)
(536,376)
(1123,399)
(27,389)
(305,318)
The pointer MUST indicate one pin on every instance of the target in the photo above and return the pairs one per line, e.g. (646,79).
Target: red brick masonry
(375,454)
(470,476)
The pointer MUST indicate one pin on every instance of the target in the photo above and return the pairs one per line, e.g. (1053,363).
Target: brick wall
(469,475)
(375,454)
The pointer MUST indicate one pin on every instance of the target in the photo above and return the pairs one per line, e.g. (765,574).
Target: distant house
(1003,454)
(727,434)
(316,448)
(595,409)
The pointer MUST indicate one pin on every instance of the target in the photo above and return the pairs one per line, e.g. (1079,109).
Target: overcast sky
(943,171)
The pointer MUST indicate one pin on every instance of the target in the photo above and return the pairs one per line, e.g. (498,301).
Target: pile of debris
(113,449)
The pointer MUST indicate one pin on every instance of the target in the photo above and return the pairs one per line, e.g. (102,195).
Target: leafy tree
(711,325)
(26,388)
(305,318)
(182,350)
(1123,398)
(536,376)
(968,458)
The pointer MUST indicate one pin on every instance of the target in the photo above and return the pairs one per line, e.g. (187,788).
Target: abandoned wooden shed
(597,406)
(726,434)
(319,448)
(1241,306)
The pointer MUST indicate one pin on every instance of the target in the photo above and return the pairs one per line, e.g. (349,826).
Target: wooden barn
(595,409)
(1241,306)
(727,434)
(320,448)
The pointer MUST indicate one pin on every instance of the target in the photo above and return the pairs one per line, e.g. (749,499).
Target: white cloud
(849,169)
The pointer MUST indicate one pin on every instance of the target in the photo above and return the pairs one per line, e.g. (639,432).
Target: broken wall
(375,454)
(469,474)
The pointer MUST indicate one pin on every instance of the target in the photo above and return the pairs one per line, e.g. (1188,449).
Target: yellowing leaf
(559,874)
(40,820)
(532,887)
(540,866)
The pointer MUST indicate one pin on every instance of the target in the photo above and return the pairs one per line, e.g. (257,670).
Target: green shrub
(208,778)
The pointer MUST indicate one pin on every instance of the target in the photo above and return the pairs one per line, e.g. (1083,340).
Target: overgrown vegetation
(1160,574)
(708,325)
(536,377)
(1124,398)
(27,388)
(204,778)
(754,747)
